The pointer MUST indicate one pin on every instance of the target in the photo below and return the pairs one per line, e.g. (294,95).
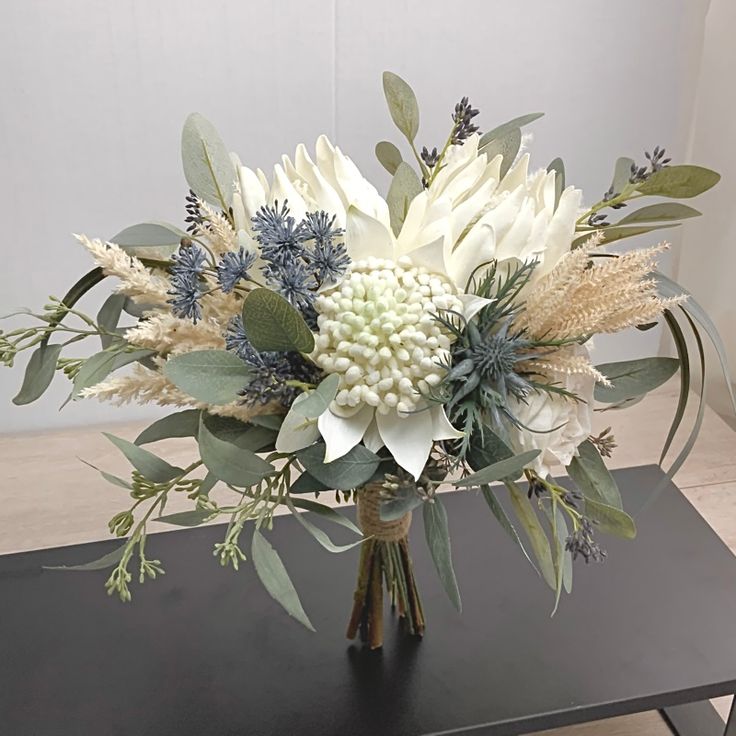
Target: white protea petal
(252,193)
(296,431)
(324,194)
(431,256)
(472,304)
(476,248)
(341,434)
(372,437)
(516,176)
(365,236)
(442,428)
(561,230)
(284,191)
(408,438)
(359,192)
(513,242)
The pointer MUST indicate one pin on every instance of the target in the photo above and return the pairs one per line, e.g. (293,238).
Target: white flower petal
(252,192)
(324,195)
(472,304)
(372,437)
(442,428)
(358,190)
(296,432)
(365,236)
(408,438)
(431,256)
(284,191)
(476,248)
(341,434)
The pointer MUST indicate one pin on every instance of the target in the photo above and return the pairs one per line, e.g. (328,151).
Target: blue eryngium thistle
(186,289)
(280,236)
(295,282)
(233,268)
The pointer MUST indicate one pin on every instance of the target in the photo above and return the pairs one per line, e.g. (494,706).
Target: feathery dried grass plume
(136,281)
(170,335)
(584,296)
(567,361)
(216,229)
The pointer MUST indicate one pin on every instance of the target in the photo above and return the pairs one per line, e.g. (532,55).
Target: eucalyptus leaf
(503,519)
(683,354)
(183,423)
(150,466)
(317,533)
(535,533)
(504,469)
(683,181)
(307,483)
(621,174)
(437,533)
(326,512)
(187,518)
(487,448)
(208,168)
(609,519)
(98,366)
(501,130)
(269,421)
(39,373)
(404,187)
(109,316)
(612,233)
(272,573)
(151,239)
(271,323)
(592,476)
(109,477)
(558,167)
(350,471)
(228,462)
(633,378)
(562,558)
(663,211)
(320,399)
(508,147)
(102,563)
(389,156)
(246,436)
(212,376)
(402,104)
(403,501)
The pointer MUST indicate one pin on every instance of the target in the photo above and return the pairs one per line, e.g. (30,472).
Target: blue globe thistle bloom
(295,282)
(329,260)
(186,286)
(280,236)
(233,267)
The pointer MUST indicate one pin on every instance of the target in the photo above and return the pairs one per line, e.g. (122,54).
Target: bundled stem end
(384,562)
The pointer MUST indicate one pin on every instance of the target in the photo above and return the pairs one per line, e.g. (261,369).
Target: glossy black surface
(204,651)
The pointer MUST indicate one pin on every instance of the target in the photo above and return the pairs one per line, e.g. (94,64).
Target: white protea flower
(377,329)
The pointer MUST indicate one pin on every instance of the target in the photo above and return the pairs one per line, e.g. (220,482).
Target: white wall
(94,93)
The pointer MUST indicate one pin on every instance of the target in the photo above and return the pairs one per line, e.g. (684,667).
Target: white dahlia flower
(376,328)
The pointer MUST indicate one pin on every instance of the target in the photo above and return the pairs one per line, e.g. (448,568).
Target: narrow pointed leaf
(681,181)
(272,573)
(98,367)
(404,187)
(609,519)
(592,476)
(402,104)
(187,518)
(437,533)
(501,130)
(150,466)
(507,146)
(502,470)
(39,374)
(321,536)
(183,423)
(320,399)
(326,512)
(109,316)
(660,212)
(683,354)
(633,378)
(558,167)
(621,174)
(109,477)
(108,560)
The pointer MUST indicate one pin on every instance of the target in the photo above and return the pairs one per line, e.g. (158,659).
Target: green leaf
(271,323)
(150,466)
(327,512)
(669,288)
(609,519)
(269,421)
(660,212)
(632,378)
(180,424)
(347,472)
(213,376)
(504,469)
(109,477)
(187,518)
(109,316)
(437,532)
(502,130)
(612,233)
(535,533)
(389,156)
(39,373)
(558,167)
(108,560)
(684,181)
(317,533)
(562,558)
(684,356)
(508,146)
(404,187)
(245,436)
(150,239)
(98,366)
(320,399)
(208,168)
(503,519)
(307,483)
(621,174)
(228,462)
(592,477)
(402,104)
(403,501)
(487,449)
(275,579)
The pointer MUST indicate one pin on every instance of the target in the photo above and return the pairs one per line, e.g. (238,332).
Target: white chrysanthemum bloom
(570,419)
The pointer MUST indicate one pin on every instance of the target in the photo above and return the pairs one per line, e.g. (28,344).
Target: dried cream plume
(218,231)
(567,361)
(169,335)
(585,296)
(136,280)
(145,386)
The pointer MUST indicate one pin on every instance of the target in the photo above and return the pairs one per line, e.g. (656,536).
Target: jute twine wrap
(369,518)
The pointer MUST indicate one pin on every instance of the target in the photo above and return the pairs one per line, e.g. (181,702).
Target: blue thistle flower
(280,236)
(329,260)
(294,282)
(186,287)
(233,267)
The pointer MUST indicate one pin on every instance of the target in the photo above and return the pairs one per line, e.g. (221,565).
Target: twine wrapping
(369,517)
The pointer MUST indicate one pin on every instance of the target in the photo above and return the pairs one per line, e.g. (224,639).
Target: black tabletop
(204,651)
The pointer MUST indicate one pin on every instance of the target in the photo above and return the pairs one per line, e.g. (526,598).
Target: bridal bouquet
(317,337)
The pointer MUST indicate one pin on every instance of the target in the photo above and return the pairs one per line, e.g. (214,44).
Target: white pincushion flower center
(378,332)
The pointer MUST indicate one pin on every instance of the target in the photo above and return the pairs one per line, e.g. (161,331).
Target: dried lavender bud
(605,442)
(536,488)
(609,195)
(463,117)
(656,159)
(598,220)
(581,543)
(430,158)
(194,218)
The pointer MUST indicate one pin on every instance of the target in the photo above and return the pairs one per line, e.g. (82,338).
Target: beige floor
(49,498)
